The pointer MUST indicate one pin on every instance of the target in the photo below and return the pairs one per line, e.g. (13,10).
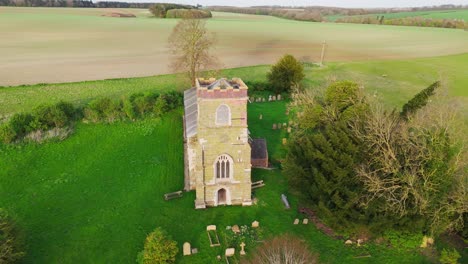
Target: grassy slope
(404,78)
(93,197)
(447,14)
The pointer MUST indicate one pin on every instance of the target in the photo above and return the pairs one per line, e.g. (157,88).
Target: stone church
(216,143)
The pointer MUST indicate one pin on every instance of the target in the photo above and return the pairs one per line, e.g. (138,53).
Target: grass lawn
(77,44)
(93,197)
(396,81)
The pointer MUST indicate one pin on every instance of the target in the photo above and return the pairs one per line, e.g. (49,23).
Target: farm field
(396,81)
(439,14)
(54,45)
(93,197)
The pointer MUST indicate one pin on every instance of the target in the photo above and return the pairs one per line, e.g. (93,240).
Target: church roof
(190,112)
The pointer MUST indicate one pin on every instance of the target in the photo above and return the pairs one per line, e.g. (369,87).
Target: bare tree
(283,250)
(190,42)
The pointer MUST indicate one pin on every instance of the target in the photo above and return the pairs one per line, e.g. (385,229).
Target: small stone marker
(230,252)
(194,250)
(187,249)
(279,125)
(263,99)
(284,125)
(274,127)
(218,258)
(211,228)
(269,98)
(273,98)
(305,221)
(235,229)
(289,129)
(260,117)
(255,224)
(348,242)
(285,141)
(359,241)
(278,97)
(242,245)
(296,221)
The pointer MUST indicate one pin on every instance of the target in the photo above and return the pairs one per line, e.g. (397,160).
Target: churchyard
(94,197)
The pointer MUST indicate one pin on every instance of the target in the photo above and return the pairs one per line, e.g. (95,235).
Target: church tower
(217,150)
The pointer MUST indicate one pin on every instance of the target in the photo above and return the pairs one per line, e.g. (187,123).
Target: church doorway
(221,196)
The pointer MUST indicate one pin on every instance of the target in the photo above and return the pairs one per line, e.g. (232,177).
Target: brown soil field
(49,45)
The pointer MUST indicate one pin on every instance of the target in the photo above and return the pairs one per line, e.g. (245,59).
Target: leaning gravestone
(255,224)
(285,201)
(230,252)
(187,250)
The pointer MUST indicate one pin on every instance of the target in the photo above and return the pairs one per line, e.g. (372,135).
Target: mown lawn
(93,197)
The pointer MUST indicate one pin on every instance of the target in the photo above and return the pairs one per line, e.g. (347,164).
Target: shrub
(103,109)
(10,242)
(285,74)
(19,125)
(7,134)
(188,13)
(129,110)
(159,249)
(161,106)
(284,249)
(448,256)
(50,116)
(257,86)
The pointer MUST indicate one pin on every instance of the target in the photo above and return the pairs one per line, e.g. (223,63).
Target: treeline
(405,21)
(178,11)
(55,120)
(73,3)
(295,14)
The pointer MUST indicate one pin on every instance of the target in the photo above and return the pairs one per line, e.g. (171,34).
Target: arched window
(223,167)
(223,115)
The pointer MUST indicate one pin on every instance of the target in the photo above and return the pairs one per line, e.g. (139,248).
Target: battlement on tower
(221,88)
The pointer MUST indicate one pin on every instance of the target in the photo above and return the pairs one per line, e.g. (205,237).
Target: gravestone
(289,129)
(211,228)
(273,98)
(269,98)
(279,125)
(348,242)
(278,97)
(274,126)
(263,99)
(285,201)
(242,245)
(260,117)
(255,224)
(284,125)
(235,229)
(187,250)
(230,252)
(285,141)
(194,251)
(305,221)
(296,221)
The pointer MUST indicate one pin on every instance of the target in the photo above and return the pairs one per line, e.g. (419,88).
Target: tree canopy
(286,74)
(159,248)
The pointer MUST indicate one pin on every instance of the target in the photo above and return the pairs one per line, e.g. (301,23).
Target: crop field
(439,14)
(55,45)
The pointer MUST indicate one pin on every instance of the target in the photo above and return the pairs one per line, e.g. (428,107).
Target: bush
(7,134)
(19,125)
(103,109)
(10,242)
(159,249)
(51,116)
(257,86)
(448,256)
(285,74)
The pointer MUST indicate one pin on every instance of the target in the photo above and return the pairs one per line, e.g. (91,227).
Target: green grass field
(93,197)
(396,81)
(72,44)
(439,14)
